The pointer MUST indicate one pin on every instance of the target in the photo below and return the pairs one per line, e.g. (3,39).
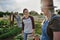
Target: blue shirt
(18,19)
(44,31)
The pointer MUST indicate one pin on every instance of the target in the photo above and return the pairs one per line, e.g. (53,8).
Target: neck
(26,16)
(48,17)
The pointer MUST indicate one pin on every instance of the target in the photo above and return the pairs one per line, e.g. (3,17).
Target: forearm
(56,36)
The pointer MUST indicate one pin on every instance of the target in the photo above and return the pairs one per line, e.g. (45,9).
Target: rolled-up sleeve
(55,25)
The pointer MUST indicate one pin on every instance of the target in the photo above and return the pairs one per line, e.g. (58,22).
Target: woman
(45,24)
(51,26)
(27,24)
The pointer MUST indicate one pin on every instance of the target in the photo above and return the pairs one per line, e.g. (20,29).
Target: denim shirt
(44,31)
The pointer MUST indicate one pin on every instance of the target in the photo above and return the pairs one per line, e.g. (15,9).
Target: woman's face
(46,12)
(26,12)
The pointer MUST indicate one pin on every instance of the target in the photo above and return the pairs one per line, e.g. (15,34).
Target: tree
(7,13)
(1,14)
(41,13)
(4,13)
(58,11)
(33,13)
(21,14)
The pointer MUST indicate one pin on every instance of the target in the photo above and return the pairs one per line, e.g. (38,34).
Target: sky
(19,5)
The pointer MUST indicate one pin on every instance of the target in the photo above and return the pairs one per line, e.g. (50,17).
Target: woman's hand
(23,16)
(33,32)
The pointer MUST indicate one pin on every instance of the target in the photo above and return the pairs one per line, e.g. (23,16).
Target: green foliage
(21,14)
(4,23)
(4,30)
(19,37)
(33,13)
(7,13)
(11,33)
(59,12)
(7,32)
(1,14)
(4,13)
(38,28)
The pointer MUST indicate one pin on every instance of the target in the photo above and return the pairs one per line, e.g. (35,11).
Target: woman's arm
(22,26)
(56,35)
(55,28)
(33,25)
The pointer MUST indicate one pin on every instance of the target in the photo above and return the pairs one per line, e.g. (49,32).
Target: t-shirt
(28,24)
(53,26)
